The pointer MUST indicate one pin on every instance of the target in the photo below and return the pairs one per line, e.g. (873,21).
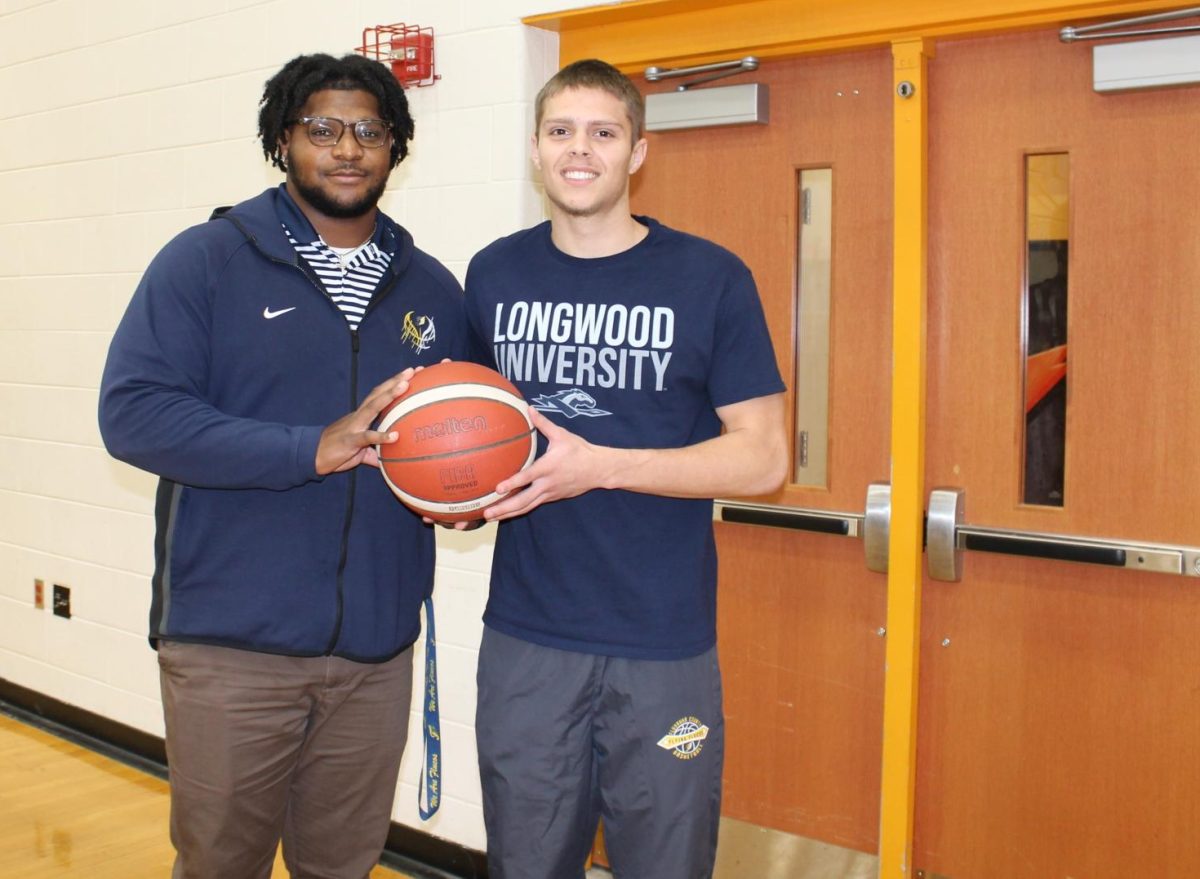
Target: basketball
(462,429)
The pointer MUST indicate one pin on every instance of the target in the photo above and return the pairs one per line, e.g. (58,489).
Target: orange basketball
(462,429)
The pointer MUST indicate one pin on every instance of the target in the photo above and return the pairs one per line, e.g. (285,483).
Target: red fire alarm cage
(408,48)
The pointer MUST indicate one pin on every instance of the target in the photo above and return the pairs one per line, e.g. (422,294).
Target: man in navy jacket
(247,373)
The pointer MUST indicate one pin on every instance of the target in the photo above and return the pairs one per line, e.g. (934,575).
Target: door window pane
(1045,317)
(813,273)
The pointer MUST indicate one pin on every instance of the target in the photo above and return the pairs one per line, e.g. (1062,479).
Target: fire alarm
(407,48)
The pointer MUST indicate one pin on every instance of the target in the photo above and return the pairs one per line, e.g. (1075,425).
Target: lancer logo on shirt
(569,403)
(419,332)
(685,739)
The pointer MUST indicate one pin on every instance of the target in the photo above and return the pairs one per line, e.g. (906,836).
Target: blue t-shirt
(634,350)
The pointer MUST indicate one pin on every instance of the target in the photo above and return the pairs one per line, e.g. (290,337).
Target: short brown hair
(595,74)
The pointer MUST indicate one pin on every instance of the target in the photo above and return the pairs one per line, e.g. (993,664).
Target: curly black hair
(288,90)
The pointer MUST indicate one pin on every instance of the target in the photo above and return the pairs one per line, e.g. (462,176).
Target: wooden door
(800,614)
(1059,703)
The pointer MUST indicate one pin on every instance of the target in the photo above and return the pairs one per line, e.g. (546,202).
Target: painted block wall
(123,122)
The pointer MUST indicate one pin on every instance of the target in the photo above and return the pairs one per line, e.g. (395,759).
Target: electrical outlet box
(62,601)
(39,594)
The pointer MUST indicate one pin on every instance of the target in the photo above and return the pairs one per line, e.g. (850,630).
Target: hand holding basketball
(570,466)
(350,441)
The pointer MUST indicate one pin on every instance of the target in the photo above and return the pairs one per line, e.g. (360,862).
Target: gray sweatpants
(565,738)
(261,747)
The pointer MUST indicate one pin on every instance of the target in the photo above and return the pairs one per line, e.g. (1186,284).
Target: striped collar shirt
(349,277)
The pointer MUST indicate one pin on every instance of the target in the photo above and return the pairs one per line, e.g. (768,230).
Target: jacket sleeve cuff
(307,440)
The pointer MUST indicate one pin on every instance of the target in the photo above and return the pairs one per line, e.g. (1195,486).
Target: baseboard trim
(86,729)
(409,850)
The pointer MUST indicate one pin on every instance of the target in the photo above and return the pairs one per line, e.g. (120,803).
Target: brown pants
(263,747)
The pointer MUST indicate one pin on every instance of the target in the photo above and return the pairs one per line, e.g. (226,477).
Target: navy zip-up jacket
(228,364)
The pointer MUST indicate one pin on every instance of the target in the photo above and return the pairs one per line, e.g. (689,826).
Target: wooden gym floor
(68,811)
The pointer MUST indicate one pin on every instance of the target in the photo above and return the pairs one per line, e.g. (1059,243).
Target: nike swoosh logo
(269,315)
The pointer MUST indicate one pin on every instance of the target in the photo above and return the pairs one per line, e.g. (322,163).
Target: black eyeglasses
(325,131)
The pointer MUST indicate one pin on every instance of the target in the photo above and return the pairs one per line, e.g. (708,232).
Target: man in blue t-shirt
(645,357)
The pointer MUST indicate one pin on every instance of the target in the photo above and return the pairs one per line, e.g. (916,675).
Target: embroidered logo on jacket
(419,332)
(569,403)
(685,739)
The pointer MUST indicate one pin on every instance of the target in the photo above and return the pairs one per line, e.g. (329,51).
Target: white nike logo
(268,314)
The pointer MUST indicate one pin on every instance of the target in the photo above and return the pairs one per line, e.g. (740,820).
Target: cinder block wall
(123,122)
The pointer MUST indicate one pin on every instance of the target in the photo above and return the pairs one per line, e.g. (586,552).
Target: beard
(570,210)
(323,202)
(577,213)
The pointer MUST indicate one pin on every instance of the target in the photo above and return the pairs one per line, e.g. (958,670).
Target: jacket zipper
(351,488)
(350,492)
(348,519)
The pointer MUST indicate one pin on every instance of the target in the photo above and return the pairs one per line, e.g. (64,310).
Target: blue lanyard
(430,789)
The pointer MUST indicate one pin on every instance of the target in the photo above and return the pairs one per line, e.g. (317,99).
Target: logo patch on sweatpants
(685,739)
